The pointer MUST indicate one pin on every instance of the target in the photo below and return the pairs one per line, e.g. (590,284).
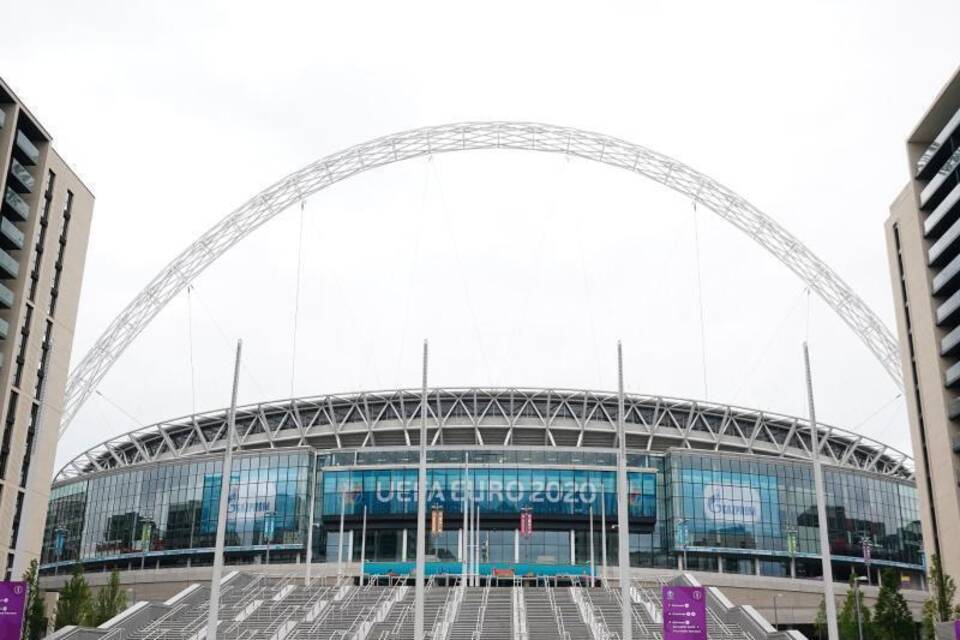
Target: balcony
(4,329)
(947,212)
(952,375)
(6,297)
(25,150)
(9,267)
(945,179)
(945,247)
(947,280)
(949,311)
(950,343)
(10,237)
(23,182)
(16,205)
(938,150)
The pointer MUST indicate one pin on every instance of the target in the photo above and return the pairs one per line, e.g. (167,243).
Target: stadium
(721,491)
(521,490)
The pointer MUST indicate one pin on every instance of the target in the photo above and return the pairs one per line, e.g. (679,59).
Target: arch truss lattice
(525,136)
(509,417)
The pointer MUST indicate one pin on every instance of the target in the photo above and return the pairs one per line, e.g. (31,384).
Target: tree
(75,605)
(110,600)
(891,616)
(847,622)
(939,608)
(35,625)
(820,622)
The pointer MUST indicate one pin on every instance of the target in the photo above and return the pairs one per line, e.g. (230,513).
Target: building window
(28,447)
(41,236)
(45,348)
(15,530)
(8,432)
(58,266)
(22,345)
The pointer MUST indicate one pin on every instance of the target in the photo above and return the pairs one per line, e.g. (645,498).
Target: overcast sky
(522,269)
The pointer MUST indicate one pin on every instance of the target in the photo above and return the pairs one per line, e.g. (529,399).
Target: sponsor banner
(684,613)
(735,504)
(13,599)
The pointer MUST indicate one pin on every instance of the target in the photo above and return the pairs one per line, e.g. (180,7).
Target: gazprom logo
(731,504)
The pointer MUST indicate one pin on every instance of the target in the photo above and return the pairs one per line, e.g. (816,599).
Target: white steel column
(310,522)
(363,544)
(343,506)
(826,561)
(623,522)
(593,557)
(421,509)
(212,616)
(465,531)
(603,532)
(476,546)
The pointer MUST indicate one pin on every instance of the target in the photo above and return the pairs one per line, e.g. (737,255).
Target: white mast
(212,616)
(421,508)
(826,562)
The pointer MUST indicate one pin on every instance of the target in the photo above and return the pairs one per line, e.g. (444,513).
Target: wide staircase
(485,613)
(551,614)
(270,608)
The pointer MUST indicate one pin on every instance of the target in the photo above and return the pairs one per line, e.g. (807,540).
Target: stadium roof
(510,416)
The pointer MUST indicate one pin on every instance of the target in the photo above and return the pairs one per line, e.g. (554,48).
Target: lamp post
(792,550)
(268,525)
(867,547)
(856,599)
(59,540)
(682,531)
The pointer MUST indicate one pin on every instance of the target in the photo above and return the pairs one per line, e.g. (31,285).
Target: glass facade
(170,510)
(735,503)
(714,511)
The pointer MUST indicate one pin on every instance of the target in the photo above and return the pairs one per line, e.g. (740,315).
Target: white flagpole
(833,632)
(623,522)
(213,614)
(418,633)
(465,533)
(363,544)
(310,522)
(593,558)
(603,532)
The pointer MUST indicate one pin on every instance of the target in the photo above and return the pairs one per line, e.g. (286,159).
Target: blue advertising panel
(495,491)
(717,502)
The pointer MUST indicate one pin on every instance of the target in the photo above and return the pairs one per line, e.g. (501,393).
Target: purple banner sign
(956,629)
(13,598)
(684,613)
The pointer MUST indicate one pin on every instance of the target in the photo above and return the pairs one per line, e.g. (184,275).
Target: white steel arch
(463,137)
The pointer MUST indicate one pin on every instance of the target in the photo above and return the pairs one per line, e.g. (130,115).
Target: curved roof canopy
(501,417)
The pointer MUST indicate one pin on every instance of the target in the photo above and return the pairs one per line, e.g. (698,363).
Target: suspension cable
(296,304)
(193,377)
(118,407)
(703,333)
